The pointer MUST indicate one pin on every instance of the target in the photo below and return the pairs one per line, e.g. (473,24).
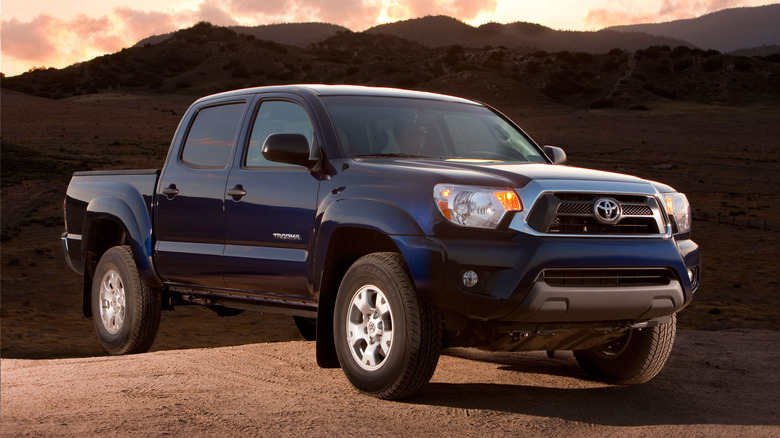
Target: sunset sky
(56,33)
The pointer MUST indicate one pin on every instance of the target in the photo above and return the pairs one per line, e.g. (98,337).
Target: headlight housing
(479,207)
(679,210)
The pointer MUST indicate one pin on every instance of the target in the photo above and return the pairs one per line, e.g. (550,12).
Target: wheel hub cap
(112,302)
(370,327)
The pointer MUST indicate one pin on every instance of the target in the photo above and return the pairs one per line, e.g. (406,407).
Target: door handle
(170,191)
(237,192)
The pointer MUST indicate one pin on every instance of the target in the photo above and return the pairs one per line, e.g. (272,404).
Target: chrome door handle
(237,192)
(170,191)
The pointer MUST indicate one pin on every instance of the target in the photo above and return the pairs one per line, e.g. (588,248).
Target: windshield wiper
(392,155)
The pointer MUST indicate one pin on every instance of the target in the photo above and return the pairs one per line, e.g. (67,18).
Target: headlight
(679,211)
(480,207)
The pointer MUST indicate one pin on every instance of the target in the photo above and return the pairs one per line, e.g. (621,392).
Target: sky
(57,33)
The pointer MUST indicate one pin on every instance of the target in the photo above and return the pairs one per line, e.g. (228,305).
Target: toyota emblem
(607,210)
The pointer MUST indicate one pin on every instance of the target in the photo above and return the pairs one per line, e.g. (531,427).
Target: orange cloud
(627,12)
(28,41)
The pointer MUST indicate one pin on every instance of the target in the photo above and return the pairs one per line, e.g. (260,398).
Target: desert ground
(254,375)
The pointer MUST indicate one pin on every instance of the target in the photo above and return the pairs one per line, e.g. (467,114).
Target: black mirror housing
(556,154)
(289,149)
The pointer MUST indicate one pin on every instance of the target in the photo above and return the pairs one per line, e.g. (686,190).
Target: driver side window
(276,117)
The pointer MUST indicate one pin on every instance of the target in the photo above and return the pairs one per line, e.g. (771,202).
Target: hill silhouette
(438,31)
(727,30)
(205,59)
(292,34)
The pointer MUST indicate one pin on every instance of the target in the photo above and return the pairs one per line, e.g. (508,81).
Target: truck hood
(506,175)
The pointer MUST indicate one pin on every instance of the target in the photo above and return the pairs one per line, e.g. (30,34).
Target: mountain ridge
(205,59)
(726,30)
(744,29)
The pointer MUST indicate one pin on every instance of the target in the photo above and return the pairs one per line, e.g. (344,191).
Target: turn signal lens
(480,207)
(679,210)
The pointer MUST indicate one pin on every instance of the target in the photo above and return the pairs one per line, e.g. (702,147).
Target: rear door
(269,219)
(190,196)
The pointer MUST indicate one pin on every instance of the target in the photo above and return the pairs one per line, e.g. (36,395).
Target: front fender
(136,224)
(369,214)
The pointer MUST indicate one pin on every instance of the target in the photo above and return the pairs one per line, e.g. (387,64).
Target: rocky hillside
(205,59)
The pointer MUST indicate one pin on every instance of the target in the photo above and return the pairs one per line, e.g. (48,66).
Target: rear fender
(134,222)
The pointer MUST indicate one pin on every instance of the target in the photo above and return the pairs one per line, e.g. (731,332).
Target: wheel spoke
(386,342)
(382,306)
(356,333)
(362,302)
(370,356)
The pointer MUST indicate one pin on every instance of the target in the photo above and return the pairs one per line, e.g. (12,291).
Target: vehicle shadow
(684,393)
(42,336)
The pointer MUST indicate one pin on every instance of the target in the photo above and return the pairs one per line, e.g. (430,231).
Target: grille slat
(606,277)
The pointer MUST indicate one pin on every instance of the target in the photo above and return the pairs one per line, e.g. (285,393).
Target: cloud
(141,24)
(28,41)
(214,13)
(630,12)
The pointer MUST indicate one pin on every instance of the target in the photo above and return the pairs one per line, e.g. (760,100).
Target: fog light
(470,279)
(691,275)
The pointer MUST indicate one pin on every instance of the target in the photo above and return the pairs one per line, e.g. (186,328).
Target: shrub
(602,103)
(712,64)
(742,64)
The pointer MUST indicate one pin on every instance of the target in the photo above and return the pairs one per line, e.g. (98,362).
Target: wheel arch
(109,222)
(349,243)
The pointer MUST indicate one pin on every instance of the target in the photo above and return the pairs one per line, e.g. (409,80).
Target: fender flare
(136,224)
(371,214)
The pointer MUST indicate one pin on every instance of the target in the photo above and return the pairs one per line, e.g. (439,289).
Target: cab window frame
(183,159)
(269,165)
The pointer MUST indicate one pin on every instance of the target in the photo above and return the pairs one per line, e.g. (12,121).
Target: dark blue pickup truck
(389,224)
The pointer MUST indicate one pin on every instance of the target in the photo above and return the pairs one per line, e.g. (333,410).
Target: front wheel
(635,357)
(387,339)
(125,310)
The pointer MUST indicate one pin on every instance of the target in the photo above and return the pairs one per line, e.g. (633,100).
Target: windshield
(400,127)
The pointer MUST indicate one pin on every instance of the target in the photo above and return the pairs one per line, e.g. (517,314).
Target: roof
(340,90)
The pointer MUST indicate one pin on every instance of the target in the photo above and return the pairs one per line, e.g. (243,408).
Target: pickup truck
(390,224)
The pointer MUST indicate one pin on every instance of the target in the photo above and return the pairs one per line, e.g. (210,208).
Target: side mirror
(556,154)
(289,149)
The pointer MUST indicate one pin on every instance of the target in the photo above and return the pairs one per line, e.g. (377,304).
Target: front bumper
(511,288)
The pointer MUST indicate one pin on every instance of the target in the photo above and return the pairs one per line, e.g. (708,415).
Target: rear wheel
(387,339)
(126,312)
(635,357)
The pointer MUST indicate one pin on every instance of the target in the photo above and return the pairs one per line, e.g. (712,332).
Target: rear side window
(212,135)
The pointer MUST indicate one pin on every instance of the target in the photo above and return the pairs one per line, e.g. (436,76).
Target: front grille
(575,214)
(574,208)
(636,210)
(606,277)
(587,225)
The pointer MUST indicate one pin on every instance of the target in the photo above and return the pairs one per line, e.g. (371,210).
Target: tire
(307,327)
(126,312)
(634,358)
(387,339)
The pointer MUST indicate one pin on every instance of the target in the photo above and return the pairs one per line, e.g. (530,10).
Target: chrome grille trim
(535,190)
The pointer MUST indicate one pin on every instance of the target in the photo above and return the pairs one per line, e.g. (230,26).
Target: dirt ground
(254,375)
(715,384)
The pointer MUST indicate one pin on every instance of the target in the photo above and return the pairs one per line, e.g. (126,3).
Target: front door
(270,211)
